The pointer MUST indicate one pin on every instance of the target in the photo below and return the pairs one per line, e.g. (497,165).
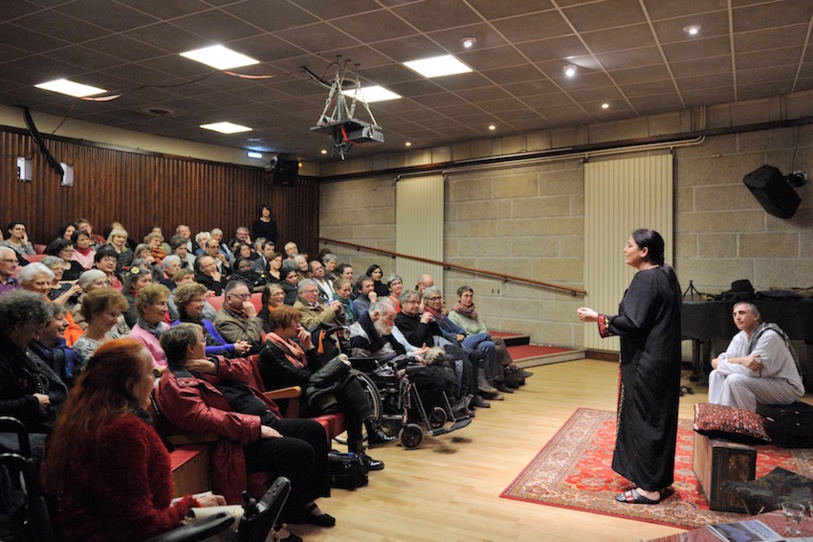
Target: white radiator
(419,227)
(621,196)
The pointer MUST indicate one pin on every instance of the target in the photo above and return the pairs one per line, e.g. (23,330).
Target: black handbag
(347,471)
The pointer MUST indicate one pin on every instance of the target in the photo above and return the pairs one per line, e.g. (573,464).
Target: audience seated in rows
(138,277)
(317,272)
(209,275)
(218,395)
(377,274)
(18,240)
(51,347)
(273,297)
(8,265)
(179,246)
(290,279)
(289,358)
(237,319)
(83,251)
(61,292)
(151,305)
(187,276)
(101,311)
(37,278)
(365,293)
(118,240)
(64,249)
(314,312)
(343,291)
(191,300)
(29,389)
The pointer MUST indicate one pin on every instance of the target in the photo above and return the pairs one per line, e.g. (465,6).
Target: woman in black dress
(648,322)
(265,226)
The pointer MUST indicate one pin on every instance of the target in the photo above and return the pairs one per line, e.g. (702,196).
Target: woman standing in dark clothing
(265,226)
(649,325)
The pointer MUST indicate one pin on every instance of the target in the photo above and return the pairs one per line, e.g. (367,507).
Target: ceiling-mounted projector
(337,119)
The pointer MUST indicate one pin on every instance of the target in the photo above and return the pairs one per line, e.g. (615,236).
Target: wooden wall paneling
(141,190)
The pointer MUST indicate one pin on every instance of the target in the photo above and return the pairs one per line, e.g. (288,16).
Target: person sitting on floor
(237,319)
(759,366)
(289,358)
(218,395)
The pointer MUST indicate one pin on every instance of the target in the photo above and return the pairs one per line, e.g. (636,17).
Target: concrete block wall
(529,221)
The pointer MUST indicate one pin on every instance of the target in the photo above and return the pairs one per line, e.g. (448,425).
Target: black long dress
(649,325)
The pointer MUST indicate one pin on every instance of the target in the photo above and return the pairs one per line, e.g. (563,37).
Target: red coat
(194,405)
(119,486)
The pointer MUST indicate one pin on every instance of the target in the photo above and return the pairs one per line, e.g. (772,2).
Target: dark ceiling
(633,55)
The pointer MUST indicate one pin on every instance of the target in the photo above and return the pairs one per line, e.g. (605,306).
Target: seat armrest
(182,439)
(292,394)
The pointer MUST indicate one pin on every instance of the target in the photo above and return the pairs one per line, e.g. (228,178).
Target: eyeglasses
(241,296)
(433,298)
(278,294)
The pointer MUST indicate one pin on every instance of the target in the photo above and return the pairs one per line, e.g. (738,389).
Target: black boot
(358,449)
(375,433)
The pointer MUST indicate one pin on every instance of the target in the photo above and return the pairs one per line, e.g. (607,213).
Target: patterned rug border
(542,481)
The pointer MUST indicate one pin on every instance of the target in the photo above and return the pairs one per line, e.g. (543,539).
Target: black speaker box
(285,172)
(772,191)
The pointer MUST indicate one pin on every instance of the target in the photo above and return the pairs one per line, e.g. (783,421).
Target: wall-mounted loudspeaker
(772,191)
(285,171)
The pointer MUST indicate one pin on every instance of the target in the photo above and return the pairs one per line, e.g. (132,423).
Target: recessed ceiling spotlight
(605,106)
(492,127)
(254,154)
(692,30)
(408,144)
(468,41)
(570,70)
(324,151)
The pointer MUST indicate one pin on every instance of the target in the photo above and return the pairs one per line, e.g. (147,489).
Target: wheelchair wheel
(373,395)
(437,418)
(411,436)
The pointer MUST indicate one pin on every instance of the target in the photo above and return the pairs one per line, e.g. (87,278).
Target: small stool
(716,461)
(789,426)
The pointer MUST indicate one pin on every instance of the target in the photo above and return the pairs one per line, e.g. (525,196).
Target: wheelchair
(398,405)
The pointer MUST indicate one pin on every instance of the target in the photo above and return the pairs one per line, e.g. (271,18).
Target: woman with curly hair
(105,461)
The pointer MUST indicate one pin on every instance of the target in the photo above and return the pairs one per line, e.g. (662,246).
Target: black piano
(702,321)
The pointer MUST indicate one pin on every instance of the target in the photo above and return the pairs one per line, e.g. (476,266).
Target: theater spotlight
(773,190)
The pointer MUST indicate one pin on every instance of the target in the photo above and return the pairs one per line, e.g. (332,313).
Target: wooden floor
(448,490)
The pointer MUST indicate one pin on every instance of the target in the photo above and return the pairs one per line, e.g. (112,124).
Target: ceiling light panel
(372,94)
(437,66)
(226,127)
(219,57)
(77,90)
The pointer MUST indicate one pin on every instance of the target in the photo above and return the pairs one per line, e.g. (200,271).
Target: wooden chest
(717,460)
(789,426)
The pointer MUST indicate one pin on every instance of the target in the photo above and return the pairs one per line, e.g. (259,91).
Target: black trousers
(468,384)
(353,403)
(300,456)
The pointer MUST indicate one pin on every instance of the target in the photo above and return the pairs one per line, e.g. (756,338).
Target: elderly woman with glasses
(37,278)
(63,293)
(273,297)
(64,249)
(191,300)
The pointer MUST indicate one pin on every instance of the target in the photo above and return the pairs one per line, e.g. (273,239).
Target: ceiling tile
(588,16)
(529,27)
(697,49)
(757,17)
(429,15)
(101,13)
(54,24)
(619,39)
(658,9)
(555,48)
(164,9)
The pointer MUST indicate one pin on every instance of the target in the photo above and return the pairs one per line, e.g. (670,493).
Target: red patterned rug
(573,471)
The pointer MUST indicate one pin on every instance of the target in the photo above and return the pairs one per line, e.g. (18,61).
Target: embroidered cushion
(736,424)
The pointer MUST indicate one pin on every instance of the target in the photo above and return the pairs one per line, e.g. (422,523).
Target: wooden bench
(716,461)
